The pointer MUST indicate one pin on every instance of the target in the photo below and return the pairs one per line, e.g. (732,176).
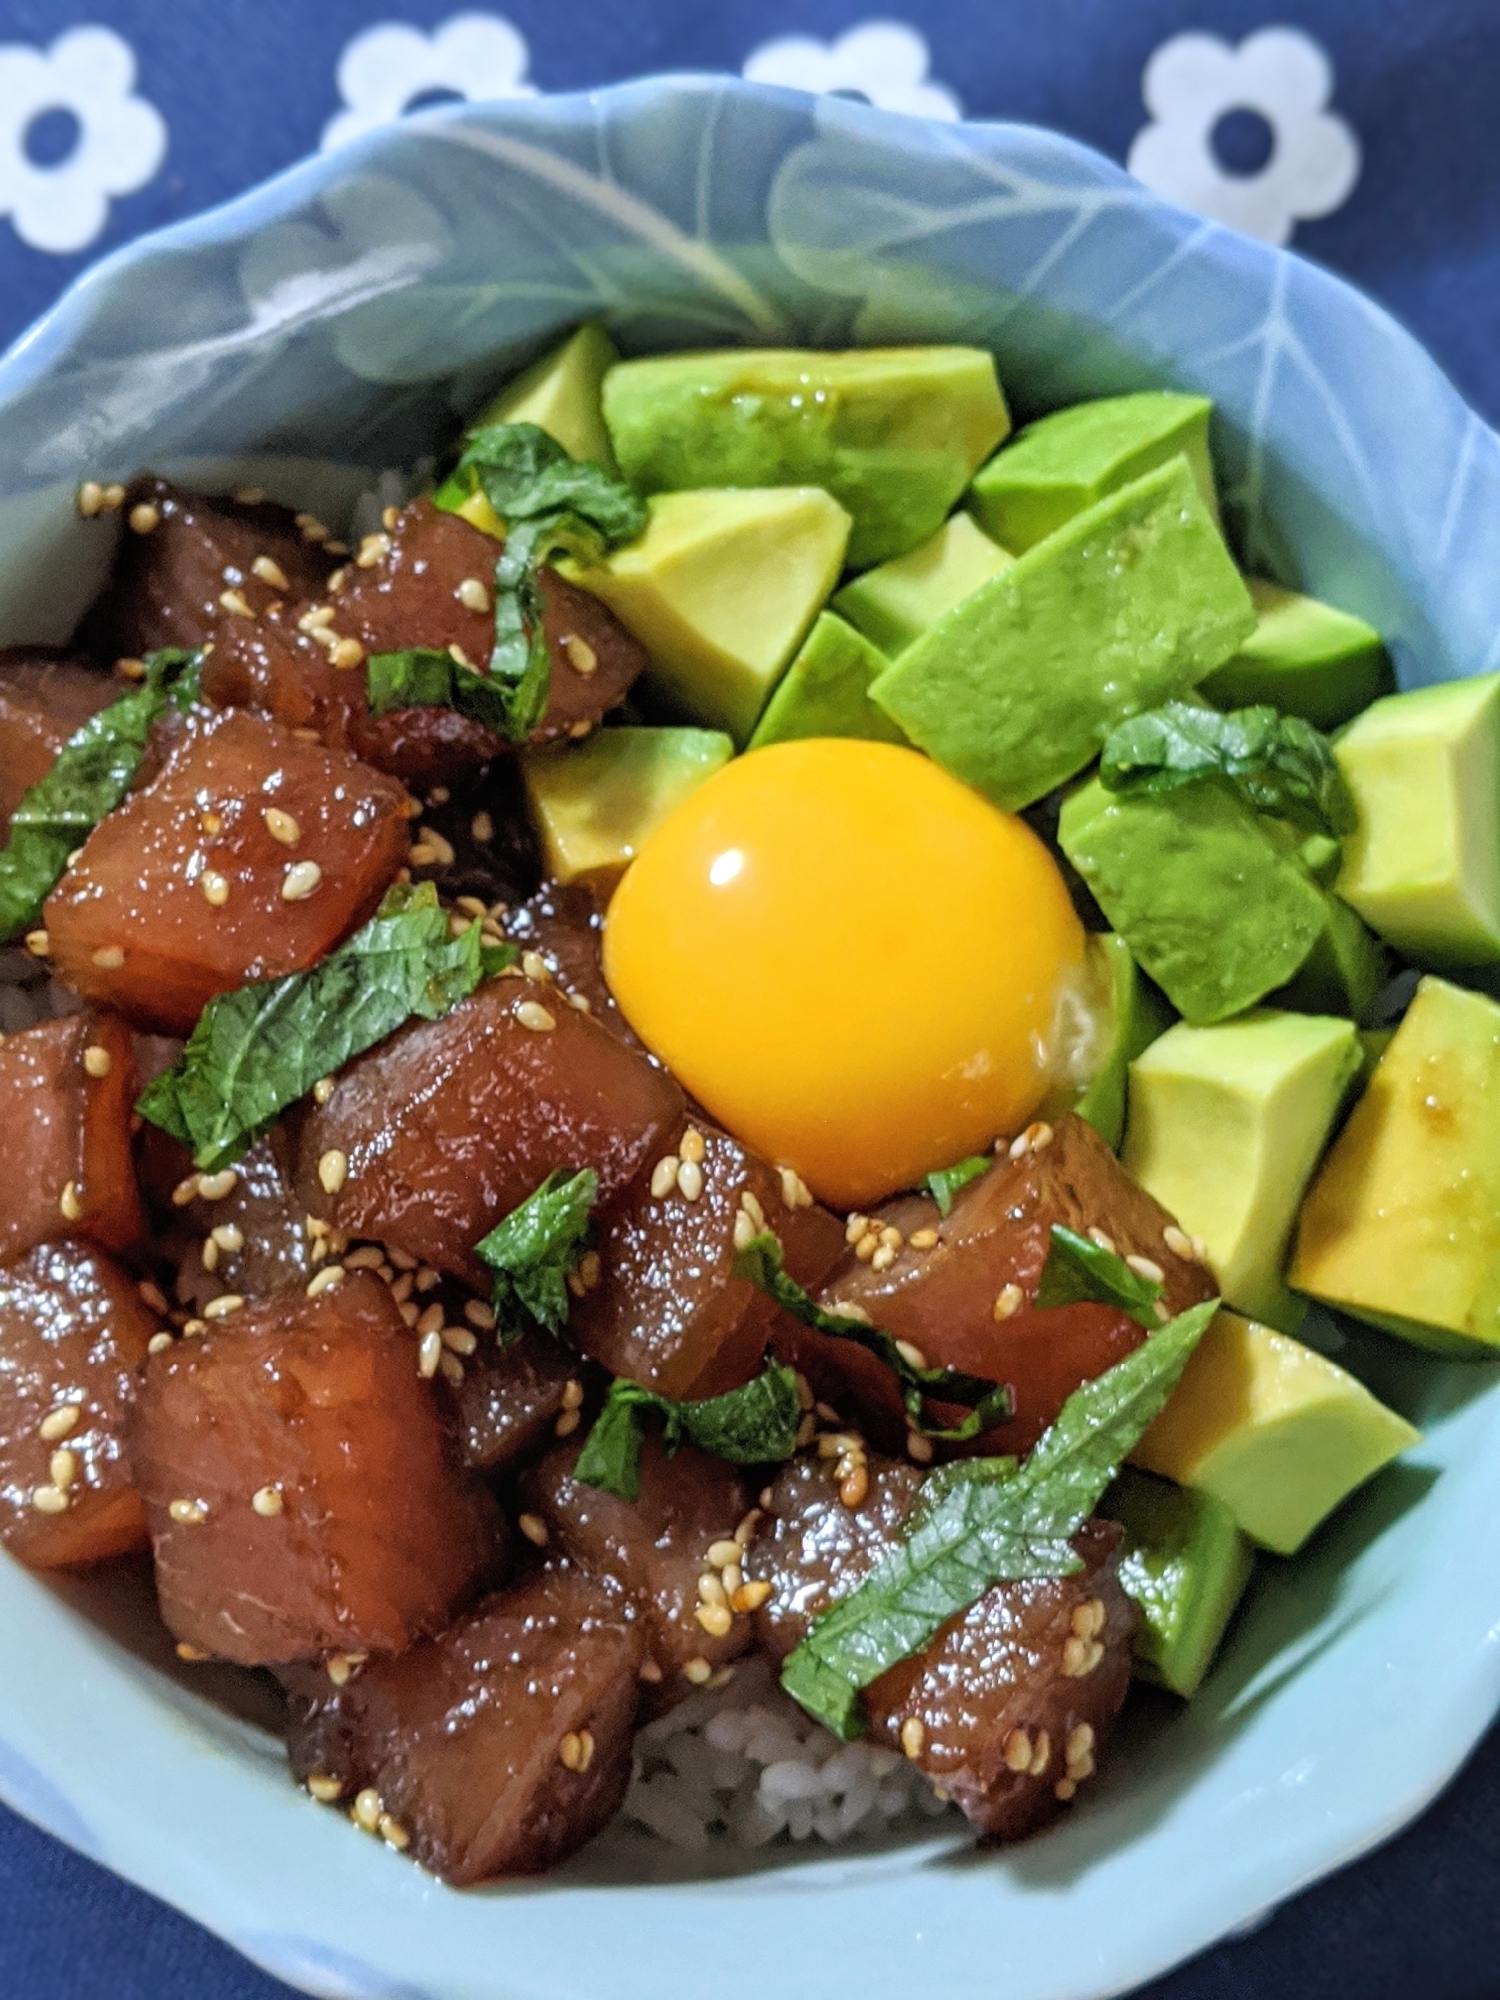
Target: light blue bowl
(336,322)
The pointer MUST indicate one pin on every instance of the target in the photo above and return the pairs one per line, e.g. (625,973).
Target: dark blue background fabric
(246,87)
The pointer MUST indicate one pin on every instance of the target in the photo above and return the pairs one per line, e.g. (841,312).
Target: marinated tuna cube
(67,1093)
(498,1748)
(184,557)
(1010,1705)
(245,1230)
(565,928)
(668,1309)
(656,1549)
(510,1398)
(812,1548)
(73,1333)
(959,1288)
(249,855)
(45,697)
(430,582)
(436,1135)
(297,1476)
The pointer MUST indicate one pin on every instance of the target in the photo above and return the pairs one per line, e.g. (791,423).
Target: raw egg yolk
(855,964)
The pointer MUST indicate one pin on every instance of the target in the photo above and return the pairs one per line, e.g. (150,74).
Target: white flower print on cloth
(118,140)
(1194,83)
(885,62)
(383,71)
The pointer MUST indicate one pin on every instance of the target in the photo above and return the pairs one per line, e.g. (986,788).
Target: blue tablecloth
(1362,130)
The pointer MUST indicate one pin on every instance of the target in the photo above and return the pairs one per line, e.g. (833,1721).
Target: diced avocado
(1217,912)
(1423,866)
(894,433)
(1130,1014)
(595,803)
(1345,969)
(720,590)
(826,690)
(1186,1565)
(1274,1430)
(1373,1043)
(1226,1126)
(1065,462)
(896,601)
(1127,605)
(559,394)
(1305,658)
(1402,1224)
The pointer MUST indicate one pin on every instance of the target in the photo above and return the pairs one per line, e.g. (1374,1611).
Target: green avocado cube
(1423,866)
(720,590)
(1304,658)
(1127,1015)
(1345,969)
(1226,1126)
(826,690)
(896,601)
(1129,604)
(894,434)
(1214,909)
(594,804)
(1185,1564)
(1402,1224)
(1069,460)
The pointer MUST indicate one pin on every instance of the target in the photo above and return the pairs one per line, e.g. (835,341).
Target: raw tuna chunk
(497,1749)
(67,1091)
(250,854)
(1010,1704)
(441,1131)
(403,590)
(510,1398)
(169,583)
(45,697)
(945,1298)
(668,1309)
(563,926)
(655,1549)
(301,1496)
(73,1333)
(252,1239)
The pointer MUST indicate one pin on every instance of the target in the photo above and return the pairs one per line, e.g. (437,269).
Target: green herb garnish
(1279,764)
(549,502)
(1078,1271)
(988,1403)
(92,772)
(948,1181)
(533,1251)
(986,1521)
(421,678)
(260,1048)
(753,1425)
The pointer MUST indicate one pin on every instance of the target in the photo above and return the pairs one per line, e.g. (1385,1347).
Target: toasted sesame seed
(235,602)
(346,653)
(477,1313)
(311,528)
(144,517)
(59,1423)
(711,1588)
(452,1368)
(371,549)
(431,1320)
(456,652)
(883,1258)
(534,1528)
(228,1235)
(533,1015)
(429,1355)
(215,888)
(267,1502)
(333,1170)
(153,1295)
(1178,1241)
(325,1790)
(250,496)
(368,1258)
(750,1203)
(340,1667)
(281,826)
(473,594)
(567,1423)
(62,1469)
(187,1513)
(1064,1789)
(108,958)
(572,1395)
(214,1187)
(221,1307)
(722,1553)
(664,1176)
(210,1254)
(1147,1268)
(70,1202)
(193,1328)
(717,1620)
(97,1061)
(649,1671)
(39,944)
(866,1247)
(159,1343)
(744,1231)
(913,1736)
(368,1808)
(49,1500)
(578,730)
(911,1353)
(482,829)
(459,1340)
(315,620)
(1089,1618)
(919,1449)
(1080,1742)
(689,1180)
(794,1190)
(1200,1250)
(1102,1239)
(581,656)
(185,1650)
(1041,1756)
(854,1486)
(90,499)
(744,1534)
(299,881)
(327,1280)
(393,1833)
(750,1596)
(691,1147)
(131,670)
(270,571)
(1009,1302)
(1016,1750)
(856,1227)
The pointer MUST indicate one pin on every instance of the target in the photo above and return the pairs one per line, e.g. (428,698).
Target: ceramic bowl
(338,322)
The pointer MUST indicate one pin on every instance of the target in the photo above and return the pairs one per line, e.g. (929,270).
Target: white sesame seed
(1010,1302)
(1147,1268)
(270,571)
(689,1180)
(451,1366)
(215,888)
(267,1502)
(323,1089)
(691,1148)
(228,1235)
(311,528)
(883,1258)
(325,1790)
(429,1355)
(90,499)
(919,1449)
(159,1343)
(299,881)
(477,1313)
(368,1808)
(346,653)
(59,1423)
(913,1736)
(144,517)
(62,1469)
(722,1553)
(371,549)
(108,958)
(482,828)
(473,594)
(751,1205)
(210,1254)
(697,1671)
(664,1176)
(214,1187)
(794,1190)
(534,1528)
(744,1231)
(333,1170)
(533,1015)
(567,1423)
(281,826)
(393,1833)
(222,1307)
(327,1280)
(911,1354)
(187,1513)
(235,602)
(39,944)
(1178,1241)
(70,1202)
(923,1239)
(49,1500)
(1102,1240)
(581,656)
(97,1061)
(459,1340)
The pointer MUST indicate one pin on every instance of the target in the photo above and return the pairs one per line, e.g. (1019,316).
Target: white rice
(742,1765)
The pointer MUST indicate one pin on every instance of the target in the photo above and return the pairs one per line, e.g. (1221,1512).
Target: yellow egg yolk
(855,963)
